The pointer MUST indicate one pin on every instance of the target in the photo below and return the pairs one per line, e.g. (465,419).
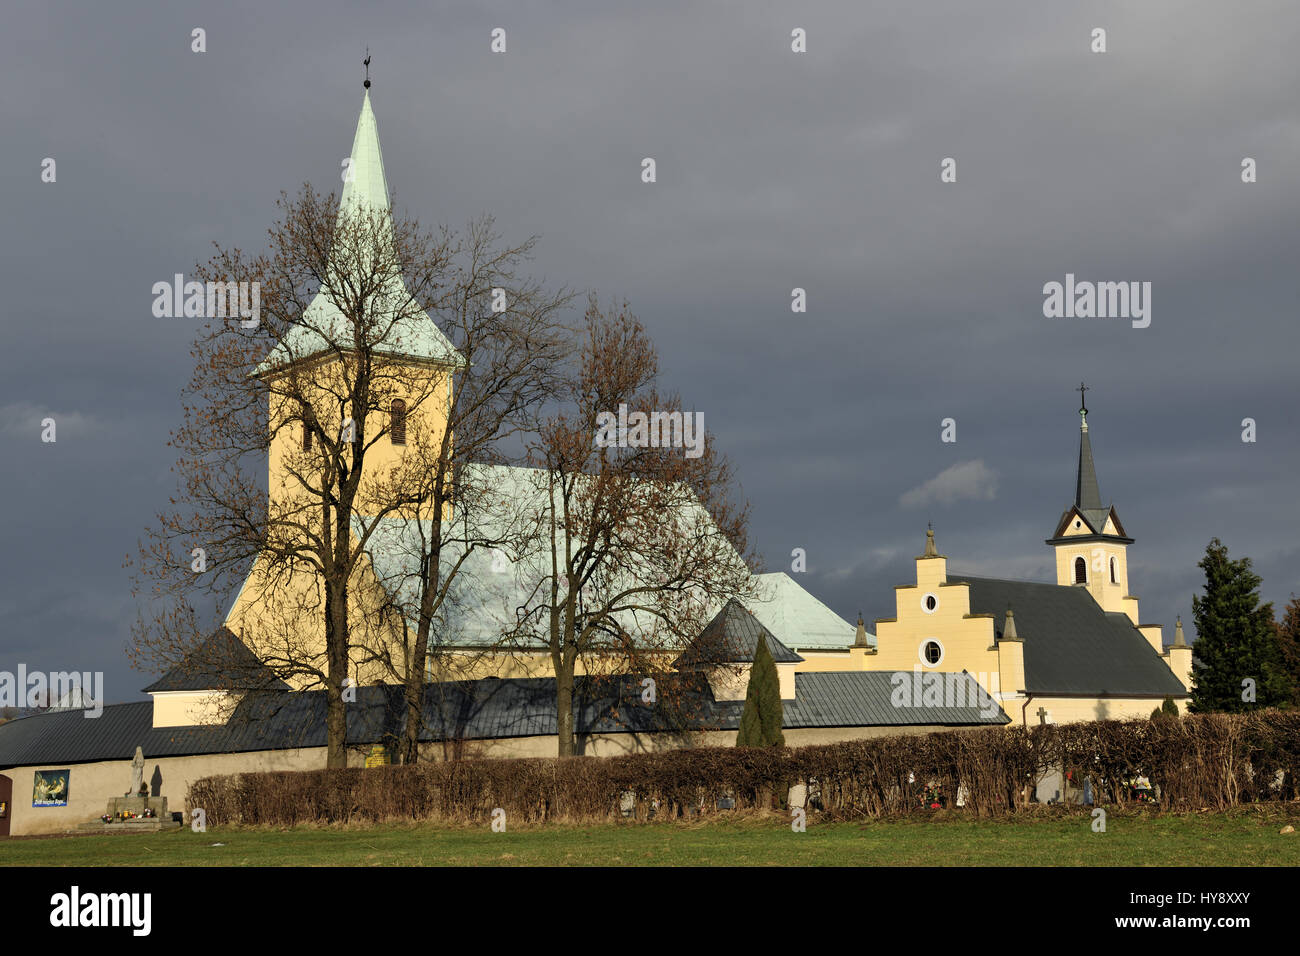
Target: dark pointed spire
(1087,496)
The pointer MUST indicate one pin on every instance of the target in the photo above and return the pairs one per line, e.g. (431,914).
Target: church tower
(309,371)
(327,423)
(1090,542)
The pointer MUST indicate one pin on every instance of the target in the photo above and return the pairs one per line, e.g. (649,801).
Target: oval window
(931,653)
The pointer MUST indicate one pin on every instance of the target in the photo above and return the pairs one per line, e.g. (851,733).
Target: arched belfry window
(397,422)
(1113,578)
(1080,571)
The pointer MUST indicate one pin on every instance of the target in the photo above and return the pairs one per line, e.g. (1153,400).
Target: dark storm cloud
(775,171)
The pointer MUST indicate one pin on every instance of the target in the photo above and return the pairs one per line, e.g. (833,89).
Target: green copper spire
(322,327)
(365,186)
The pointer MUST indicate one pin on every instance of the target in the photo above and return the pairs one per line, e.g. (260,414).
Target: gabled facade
(1073,650)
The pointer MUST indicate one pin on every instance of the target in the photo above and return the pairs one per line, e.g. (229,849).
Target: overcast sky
(775,170)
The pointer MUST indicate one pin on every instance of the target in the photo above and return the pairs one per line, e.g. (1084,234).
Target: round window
(929,603)
(1078,524)
(931,653)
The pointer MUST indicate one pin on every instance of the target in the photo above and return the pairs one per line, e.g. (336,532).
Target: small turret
(1009,631)
(861,639)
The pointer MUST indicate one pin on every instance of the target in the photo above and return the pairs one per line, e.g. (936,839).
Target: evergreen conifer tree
(1236,639)
(761,719)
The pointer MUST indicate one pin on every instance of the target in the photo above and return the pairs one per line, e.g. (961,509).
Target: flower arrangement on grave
(106,818)
(931,796)
(149,813)
(1140,789)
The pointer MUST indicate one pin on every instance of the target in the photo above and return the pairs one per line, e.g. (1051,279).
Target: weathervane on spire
(366,61)
(1083,398)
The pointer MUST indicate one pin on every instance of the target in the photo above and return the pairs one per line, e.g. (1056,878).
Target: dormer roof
(732,638)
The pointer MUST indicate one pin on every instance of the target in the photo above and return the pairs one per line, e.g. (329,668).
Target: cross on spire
(366,61)
(1083,398)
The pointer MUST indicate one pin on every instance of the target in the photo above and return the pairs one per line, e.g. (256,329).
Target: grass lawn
(1234,839)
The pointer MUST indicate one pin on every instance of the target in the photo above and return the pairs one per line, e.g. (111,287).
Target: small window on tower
(1113,578)
(1080,571)
(397,422)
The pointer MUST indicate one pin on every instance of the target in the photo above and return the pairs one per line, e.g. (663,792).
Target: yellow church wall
(1154,635)
(827,661)
(280,613)
(464,663)
(1069,710)
(1179,660)
(1130,607)
(426,389)
(848,659)
(731,682)
(1011,671)
(1097,556)
(281,617)
(967,640)
(189,708)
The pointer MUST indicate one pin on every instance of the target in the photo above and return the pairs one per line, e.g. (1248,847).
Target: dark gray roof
(858,698)
(1072,646)
(732,637)
(468,710)
(222,661)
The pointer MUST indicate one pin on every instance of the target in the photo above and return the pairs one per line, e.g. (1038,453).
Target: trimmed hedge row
(1197,761)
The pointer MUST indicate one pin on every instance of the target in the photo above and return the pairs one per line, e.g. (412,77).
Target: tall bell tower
(1090,542)
(411,361)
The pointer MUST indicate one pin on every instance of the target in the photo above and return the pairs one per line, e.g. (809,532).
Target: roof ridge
(984,577)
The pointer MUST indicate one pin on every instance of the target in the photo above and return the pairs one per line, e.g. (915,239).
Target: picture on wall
(51,788)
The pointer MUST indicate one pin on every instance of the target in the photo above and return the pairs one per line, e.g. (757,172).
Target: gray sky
(775,170)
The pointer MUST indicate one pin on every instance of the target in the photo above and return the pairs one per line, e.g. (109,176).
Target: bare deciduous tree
(641,541)
(343,333)
(509,332)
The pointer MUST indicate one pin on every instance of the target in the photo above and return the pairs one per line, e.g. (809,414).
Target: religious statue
(137,772)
